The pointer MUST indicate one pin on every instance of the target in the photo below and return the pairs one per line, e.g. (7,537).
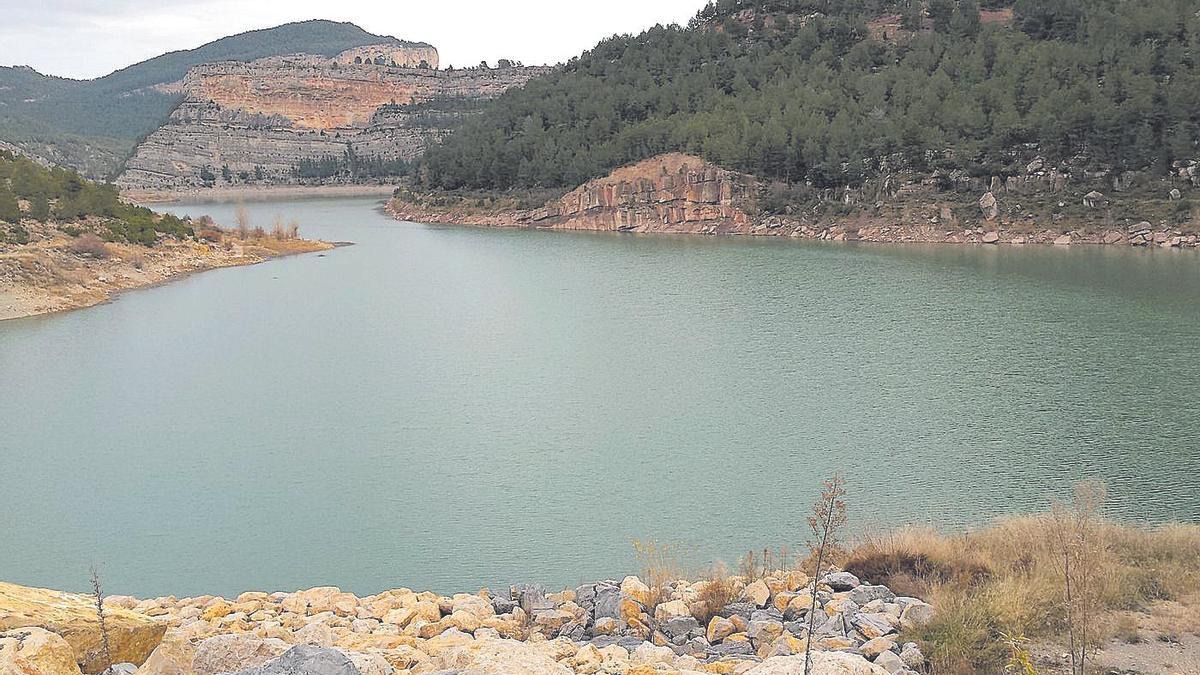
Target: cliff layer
(302,118)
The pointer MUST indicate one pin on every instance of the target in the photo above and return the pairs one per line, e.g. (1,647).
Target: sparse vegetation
(1005,582)
(827,519)
(660,565)
(98,596)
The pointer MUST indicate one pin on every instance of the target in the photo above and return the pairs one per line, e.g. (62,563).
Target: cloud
(90,38)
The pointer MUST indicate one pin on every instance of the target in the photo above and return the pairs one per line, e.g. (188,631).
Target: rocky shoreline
(49,275)
(682,194)
(719,625)
(1142,234)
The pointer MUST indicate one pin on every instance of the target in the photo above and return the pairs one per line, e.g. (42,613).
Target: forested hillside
(834,92)
(90,125)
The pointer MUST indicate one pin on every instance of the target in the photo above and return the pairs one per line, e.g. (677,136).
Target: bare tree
(828,517)
(98,595)
(243,220)
(1079,548)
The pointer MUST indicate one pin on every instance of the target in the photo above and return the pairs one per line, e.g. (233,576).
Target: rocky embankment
(682,194)
(713,626)
(55,272)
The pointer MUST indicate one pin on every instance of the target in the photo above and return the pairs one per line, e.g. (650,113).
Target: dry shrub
(89,244)
(718,590)
(210,234)
(258,233)
(660,566)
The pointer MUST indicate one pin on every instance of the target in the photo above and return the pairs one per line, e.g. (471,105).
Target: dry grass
(1004,581)
(660,566)
(719,589)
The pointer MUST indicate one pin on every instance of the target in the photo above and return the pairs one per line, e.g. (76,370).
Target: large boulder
(35,651)
(823,663)
(172,657)
(230,653)
(306,660)
(502,657)
(131,637)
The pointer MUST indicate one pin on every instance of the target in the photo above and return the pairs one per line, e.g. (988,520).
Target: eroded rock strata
(255,123)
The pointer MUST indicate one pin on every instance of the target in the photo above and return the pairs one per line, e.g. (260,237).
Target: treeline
(350,166)
(62,196)
(800,90)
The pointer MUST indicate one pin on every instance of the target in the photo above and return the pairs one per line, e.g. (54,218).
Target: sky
(90,38)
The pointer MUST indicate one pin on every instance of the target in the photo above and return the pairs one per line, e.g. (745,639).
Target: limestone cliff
(668,193)
(262,120)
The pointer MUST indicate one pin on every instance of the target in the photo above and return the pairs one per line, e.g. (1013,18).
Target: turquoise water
(449,408)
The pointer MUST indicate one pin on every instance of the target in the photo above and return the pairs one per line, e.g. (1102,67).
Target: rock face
(132,637)
(669,193)
(262,119)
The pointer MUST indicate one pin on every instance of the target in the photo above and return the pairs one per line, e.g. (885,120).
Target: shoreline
(255,193)
(102,282)
(878,231)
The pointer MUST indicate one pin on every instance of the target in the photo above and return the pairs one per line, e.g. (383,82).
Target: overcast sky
(90,38)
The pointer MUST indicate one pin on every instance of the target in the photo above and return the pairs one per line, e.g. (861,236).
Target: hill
(821,95)
(91,125)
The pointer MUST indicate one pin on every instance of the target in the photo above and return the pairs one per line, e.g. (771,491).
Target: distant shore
(255,193)
(875,230)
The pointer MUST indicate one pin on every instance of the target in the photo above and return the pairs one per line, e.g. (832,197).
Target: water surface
(448,408)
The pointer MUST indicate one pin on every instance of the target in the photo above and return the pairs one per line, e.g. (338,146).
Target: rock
(132,637)
(503,657)
(608,602)
(681,626)
(912,657)
(606,626)
(874,625)
(447,640)
(915,614)
(757,593)
(1064,240)
(823,663)
(840,581)
(1113,238)
(531,598)
(370,664)
(1175,195)
(173,656)
(317,634)
(121,669)
(1035,166)
(890,662)
(551,620)
(671,610)
(720,628)
(230,653)
(1093,199)
(634,588)
(877,646)
(989,206)
(764,631)
(864,594)
(36,651)
(991,238)
(306,660)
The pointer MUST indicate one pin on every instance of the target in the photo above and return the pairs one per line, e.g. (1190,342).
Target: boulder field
(609,627)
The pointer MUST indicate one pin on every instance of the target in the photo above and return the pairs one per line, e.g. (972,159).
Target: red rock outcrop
(668,193)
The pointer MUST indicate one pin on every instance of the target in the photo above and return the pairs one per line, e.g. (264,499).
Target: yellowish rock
(35,651)
(446,641)
(835,643)
(758,593)
(630,610)
(132,637)
(670,610)
(636,589)
(720,628)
